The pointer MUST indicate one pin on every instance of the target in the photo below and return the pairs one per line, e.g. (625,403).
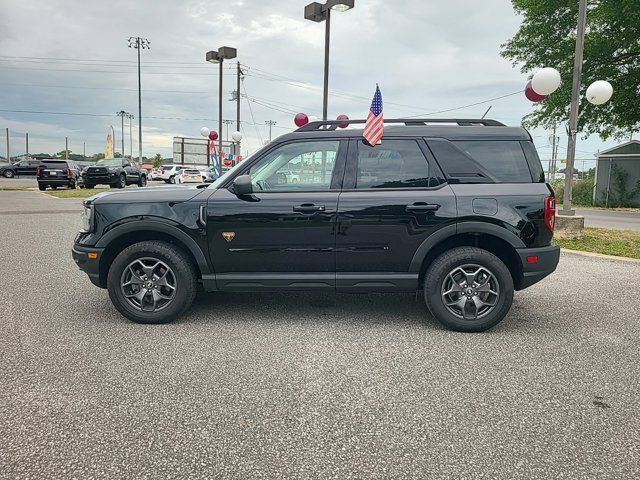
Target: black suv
(458,209)
(23,167)
(115,172)
(57,173)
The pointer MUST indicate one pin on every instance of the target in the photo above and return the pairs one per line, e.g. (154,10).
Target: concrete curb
(599,255)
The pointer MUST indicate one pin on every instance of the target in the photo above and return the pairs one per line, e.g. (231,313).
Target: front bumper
(546,261)
(88,260)
(101,179)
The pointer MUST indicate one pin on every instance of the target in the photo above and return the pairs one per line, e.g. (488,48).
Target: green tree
(157,160)
(547,38)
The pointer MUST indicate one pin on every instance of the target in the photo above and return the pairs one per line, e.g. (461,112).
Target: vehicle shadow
(399,309)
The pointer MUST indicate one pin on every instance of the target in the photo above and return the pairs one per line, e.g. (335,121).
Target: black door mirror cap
(242,185)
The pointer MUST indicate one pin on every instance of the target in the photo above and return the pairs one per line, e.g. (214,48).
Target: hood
(147,195)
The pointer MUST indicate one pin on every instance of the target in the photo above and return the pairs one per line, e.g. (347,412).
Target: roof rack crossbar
(463,122)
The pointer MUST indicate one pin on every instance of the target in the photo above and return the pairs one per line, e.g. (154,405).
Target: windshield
(110,162)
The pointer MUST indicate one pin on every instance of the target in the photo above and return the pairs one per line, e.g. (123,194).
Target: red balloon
(301,119)
(343,124)
(531,94)
(213,135)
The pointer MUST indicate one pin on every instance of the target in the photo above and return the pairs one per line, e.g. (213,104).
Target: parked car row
(176,174)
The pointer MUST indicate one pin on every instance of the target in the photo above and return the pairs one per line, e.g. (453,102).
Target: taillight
(550,212)
(38,170)
(69,174)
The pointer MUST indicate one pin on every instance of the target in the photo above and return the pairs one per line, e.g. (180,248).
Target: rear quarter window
(503,159)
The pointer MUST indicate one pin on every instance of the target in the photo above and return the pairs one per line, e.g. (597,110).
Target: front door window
(301,166)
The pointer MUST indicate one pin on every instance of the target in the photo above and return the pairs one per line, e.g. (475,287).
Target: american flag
(374,127)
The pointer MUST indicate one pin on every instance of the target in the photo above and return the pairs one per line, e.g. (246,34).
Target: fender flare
(462,227)
(155,226)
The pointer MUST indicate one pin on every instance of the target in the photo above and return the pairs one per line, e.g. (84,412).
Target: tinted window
(504,160)
(296,166)
(393,164)
(54,164)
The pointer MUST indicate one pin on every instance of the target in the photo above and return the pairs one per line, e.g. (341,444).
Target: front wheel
(468,289)
(42,187)
(9,174)
(152,282)
(172,180)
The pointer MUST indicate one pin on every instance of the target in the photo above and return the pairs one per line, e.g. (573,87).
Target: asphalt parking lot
(308,386)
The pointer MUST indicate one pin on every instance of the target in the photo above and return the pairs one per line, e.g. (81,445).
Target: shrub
(582,191)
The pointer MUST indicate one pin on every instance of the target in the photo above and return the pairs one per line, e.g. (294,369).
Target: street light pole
(573,116)
(318,12)
(130,117)
(122,114)
(218,57)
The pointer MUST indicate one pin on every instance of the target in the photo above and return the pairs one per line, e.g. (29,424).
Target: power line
(251,110)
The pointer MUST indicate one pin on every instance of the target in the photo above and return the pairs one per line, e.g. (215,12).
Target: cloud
(426,56)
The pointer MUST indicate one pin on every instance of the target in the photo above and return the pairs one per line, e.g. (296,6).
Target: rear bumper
(546,261)
(62,181)
(90,266)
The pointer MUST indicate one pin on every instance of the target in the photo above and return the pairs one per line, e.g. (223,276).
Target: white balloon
(546,81)
(204,131)
(237,136)
(599,92)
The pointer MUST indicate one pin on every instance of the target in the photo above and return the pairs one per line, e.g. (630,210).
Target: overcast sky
(427,56)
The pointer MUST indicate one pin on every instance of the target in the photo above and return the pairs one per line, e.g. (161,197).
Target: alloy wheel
(470,291)
(148,284)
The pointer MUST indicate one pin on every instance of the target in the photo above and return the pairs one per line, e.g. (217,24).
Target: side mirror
(242,185)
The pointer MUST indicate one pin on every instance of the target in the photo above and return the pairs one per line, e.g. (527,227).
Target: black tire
(54,187)
(9,173)
(42,187)
(122,182)
(72,184)
(434,285)
(143,181)
(172,179)
(175,259)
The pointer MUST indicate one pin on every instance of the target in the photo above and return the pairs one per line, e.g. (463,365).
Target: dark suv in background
(115,172)
(456,209)
(23,167)
(57,173)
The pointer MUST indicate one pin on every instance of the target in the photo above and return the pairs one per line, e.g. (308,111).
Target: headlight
(87,216)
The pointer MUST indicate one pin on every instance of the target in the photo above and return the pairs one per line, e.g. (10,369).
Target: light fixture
(340,5)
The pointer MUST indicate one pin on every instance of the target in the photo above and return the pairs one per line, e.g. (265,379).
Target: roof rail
(409,122)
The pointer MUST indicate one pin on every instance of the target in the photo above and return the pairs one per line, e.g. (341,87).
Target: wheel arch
(128,234)
(501,245)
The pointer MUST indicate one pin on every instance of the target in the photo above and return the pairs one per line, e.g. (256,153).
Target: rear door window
(393,164)
(504,160)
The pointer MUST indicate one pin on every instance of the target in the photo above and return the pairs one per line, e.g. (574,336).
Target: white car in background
(189,175)
(168,173)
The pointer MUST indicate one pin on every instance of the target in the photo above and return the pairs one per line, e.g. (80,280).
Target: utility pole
(8,151)
(139,44)
(66,148)
(26,142)
(130,116)
(239,74)
(84,150)
(227,123)
(121,114)
(554,154)
(325,97)
(271,123)
(573,116)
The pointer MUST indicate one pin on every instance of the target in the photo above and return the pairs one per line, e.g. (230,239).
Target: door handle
(309,208)
(422,207)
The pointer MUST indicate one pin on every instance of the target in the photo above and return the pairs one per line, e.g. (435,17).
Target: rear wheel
(152,282)
(468,289)
(143,181)
(42,187)
(172,179)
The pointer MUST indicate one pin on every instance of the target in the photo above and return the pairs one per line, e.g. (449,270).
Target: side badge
(228,236)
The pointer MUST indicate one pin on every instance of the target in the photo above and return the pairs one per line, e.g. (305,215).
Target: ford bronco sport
(456,209)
